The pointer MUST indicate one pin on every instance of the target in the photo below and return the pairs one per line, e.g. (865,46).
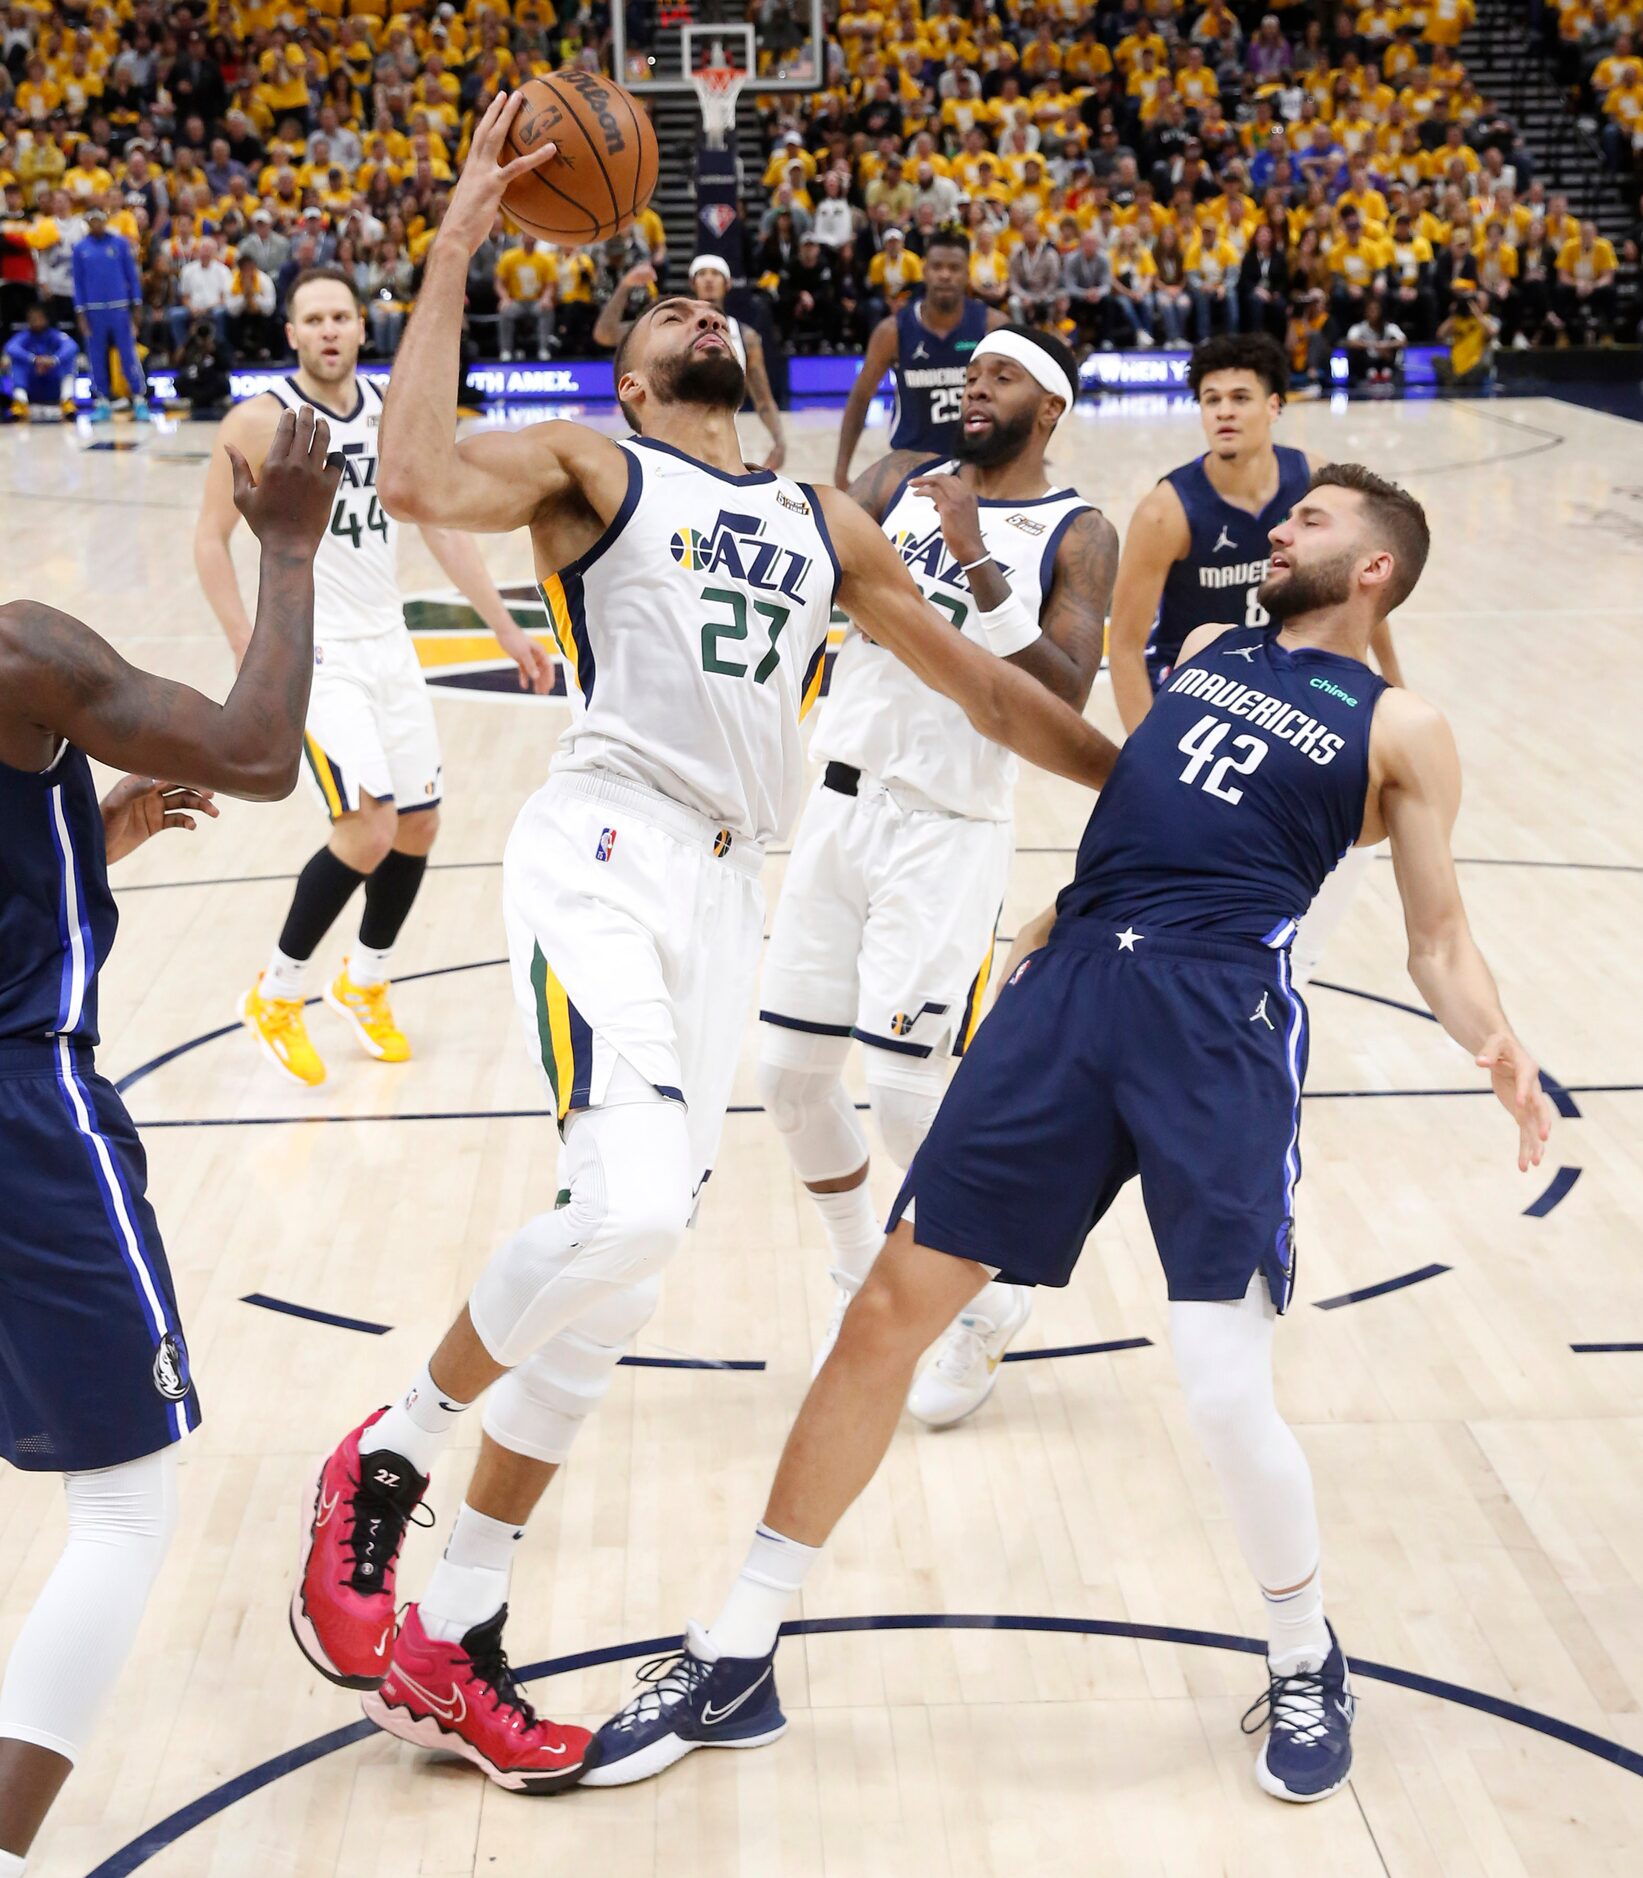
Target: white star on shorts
(1127,938)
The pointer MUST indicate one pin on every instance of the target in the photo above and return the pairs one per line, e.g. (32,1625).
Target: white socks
(416,1425)
(470,1583)
(1297,1636)
(366,967)
(772,1574)
(11,1866)
(283,977)
(854,1234)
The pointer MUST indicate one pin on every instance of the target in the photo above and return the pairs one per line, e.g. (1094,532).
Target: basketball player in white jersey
(372,744)
(709,280)
(1210,519)
(884,930)
(692,598)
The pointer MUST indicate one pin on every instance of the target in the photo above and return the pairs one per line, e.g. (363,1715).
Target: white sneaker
(966,1363)
(845,1288)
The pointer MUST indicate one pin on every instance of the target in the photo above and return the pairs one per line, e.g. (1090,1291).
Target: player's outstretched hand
(478,194)
(289,507)
(138,806)
(1516,1077)
(960,516)
(531,656)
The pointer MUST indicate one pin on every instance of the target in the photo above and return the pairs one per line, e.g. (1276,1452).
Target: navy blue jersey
(1232,802)
(929,371)
(57,916)
(1214,583)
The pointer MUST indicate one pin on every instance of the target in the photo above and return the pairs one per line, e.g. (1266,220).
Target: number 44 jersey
(880,718)
(693,632)
(356,578)
(1234,798)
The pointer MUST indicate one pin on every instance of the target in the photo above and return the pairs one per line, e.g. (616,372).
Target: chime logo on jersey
(928,554)
(737,547)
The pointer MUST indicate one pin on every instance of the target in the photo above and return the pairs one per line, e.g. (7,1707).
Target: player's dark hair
(948,235)
(618,364)
(309,275)
(1259,353)
(1054,348)
(1394,516)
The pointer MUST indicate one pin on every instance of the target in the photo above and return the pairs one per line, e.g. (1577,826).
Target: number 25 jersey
(693,633)
(1237,794)
(356,571)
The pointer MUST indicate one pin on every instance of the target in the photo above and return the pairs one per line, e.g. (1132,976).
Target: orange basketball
(606,167)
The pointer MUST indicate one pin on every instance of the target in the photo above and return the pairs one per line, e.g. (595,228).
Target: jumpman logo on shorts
(1259,1016)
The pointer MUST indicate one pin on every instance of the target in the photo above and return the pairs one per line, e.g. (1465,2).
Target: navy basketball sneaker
(693,1700)
(1307,1754)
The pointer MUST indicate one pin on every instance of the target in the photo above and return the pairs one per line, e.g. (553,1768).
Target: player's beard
(323,371)
(714,379)
(1308,589)
(1002,444)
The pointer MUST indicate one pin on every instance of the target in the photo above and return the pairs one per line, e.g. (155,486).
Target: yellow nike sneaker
(367,1012)
(282,1035)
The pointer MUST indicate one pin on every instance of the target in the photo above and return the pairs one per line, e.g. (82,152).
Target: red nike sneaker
(461,1697)
(353,1524)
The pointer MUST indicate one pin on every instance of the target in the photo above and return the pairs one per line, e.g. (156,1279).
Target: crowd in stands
(1125,172)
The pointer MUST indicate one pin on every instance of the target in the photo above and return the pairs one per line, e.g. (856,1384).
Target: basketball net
(717,86)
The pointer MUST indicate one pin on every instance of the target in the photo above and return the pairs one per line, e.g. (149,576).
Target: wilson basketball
(606,166)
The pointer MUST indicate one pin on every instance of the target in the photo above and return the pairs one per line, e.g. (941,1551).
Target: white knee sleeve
(538,1409)
(812,1111)
(627,1171)
(75,1641)
(1223,1354)
(904,1105)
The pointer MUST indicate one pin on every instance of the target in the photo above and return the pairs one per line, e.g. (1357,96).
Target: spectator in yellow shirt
(892,274)
(1585,276)
(1212,281)
(1623,133)
(989,268)
(525,294)
(1447,21)
(1408,272)
(1355,264)
(1196,81)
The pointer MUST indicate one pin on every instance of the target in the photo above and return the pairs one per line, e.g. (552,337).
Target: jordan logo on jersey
(1222,540)
(735,547)
(927,554)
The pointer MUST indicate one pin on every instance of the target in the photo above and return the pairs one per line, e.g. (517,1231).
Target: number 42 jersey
(1233,800)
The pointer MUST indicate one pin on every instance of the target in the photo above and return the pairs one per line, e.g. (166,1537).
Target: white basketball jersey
(356,577)
(738,344)
(883,720)
(694,632)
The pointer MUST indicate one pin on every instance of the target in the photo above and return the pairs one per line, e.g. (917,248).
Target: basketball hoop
(717,88)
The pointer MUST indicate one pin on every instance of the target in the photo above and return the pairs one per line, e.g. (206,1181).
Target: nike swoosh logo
(452,1711)
(711,1716)
(326,1508)
(381,1649)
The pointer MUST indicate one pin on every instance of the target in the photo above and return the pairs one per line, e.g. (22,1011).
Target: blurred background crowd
(1129,173)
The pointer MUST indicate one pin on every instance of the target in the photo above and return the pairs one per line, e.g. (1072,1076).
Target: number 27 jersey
(356,571)
(1237,794)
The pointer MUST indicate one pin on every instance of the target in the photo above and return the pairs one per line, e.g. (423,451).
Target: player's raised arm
(497,482)
(1003,703)
(60,677)
(1157,538)
(1414,750)
(463,563)
(881,353)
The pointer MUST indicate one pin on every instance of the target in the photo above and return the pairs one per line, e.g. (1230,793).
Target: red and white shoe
(461,1698)
(353,1524)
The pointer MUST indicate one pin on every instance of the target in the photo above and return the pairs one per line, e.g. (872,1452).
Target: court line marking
(1562,1183)
(1365,1292)
(1078,1349)
(166,1832)
(1605,1349)
(691,1362)
(362,1324)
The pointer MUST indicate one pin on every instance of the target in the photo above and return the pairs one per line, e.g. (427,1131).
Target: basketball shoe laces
(673,1679)
(490,1664)
(378,1016)
(378,1531)
(966,1354)
(1294,1704)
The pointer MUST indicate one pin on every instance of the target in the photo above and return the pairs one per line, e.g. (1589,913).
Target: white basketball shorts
(884,929)
(370,728)
(634,931)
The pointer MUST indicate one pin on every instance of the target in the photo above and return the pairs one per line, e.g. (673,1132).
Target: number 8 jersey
(693,634)
(1235,797)
(356,577)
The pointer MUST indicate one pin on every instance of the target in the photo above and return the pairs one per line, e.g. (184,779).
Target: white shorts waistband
(683,824)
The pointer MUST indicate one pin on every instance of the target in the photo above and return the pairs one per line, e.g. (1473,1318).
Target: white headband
(1033,360)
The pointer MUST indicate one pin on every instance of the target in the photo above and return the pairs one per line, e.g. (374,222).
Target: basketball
(606,166)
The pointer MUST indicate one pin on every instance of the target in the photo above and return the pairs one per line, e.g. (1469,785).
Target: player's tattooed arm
(1415,784)
(1067,655)
(881,355)
(764,400)
(875,487)
(60,680)
(1004,704)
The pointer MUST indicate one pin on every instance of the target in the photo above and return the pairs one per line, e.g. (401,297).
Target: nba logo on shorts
(607,841)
